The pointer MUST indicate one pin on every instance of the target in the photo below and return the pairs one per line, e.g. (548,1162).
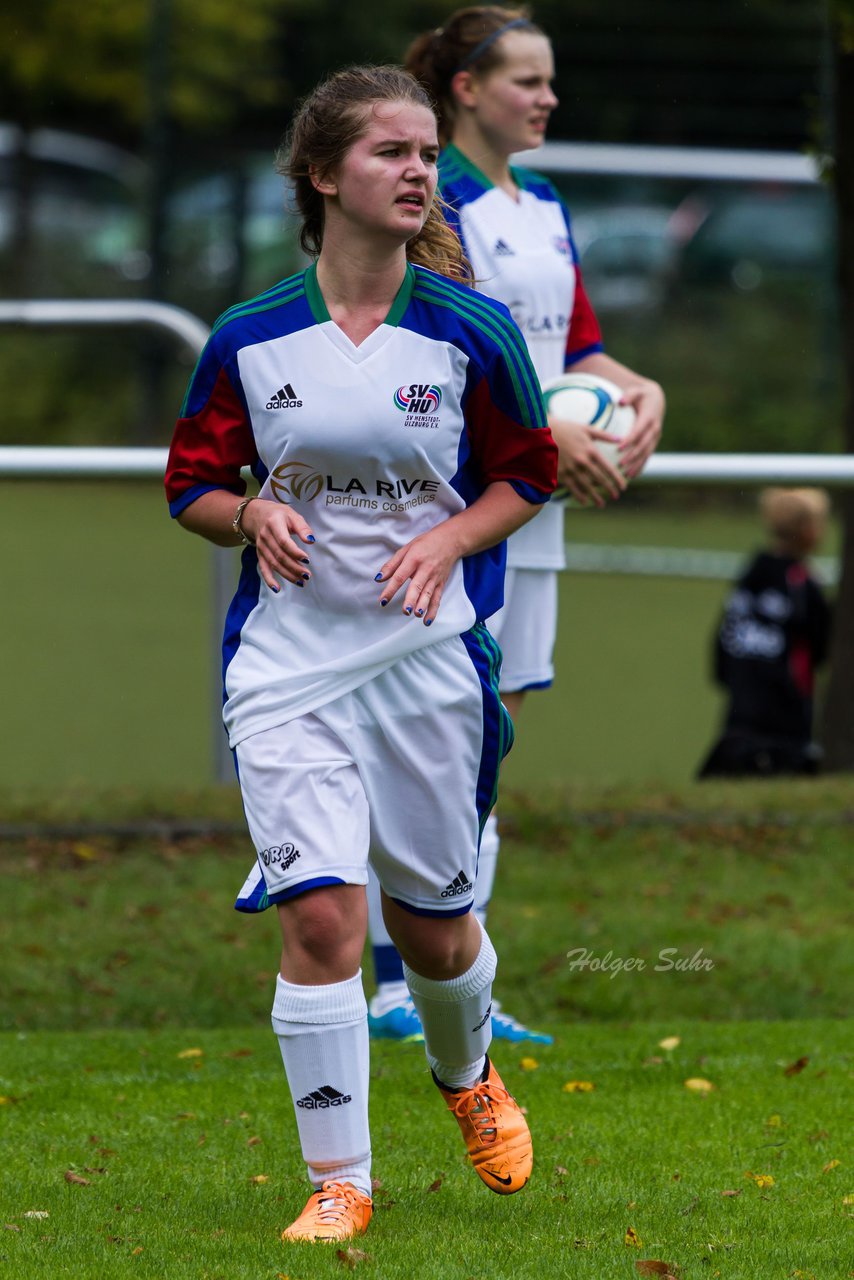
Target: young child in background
(774,633)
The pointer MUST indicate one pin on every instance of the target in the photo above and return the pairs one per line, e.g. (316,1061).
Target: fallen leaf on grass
(434,1186)
(37,1213)
(254,1141)
(190,1053)
(529,1064)
(578,1086)
(669,1043)
(653,1267)
(632,1238)
(761,1180)
(774,1122)
(698,1085)
(831,1164)
(737,1192)
(240,1053)
(795,1068)
(136,1251)
(7,1100)
(10,1226)
(259,1179)
(351,1257)
(75,1179)
(845,1200)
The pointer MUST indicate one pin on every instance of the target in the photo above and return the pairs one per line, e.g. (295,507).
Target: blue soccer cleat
(400,1022)
(506,1028)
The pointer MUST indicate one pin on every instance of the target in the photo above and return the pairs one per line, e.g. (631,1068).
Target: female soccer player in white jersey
(490,70)
(394,422)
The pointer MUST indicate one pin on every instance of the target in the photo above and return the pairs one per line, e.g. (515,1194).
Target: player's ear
(464,88)
(322,181)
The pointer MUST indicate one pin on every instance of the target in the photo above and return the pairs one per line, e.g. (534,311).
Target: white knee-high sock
(456,1017)
(323,1036)
(487,860)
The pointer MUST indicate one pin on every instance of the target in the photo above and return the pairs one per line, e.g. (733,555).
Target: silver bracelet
(237,525)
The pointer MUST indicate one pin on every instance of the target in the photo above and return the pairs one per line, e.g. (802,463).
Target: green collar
(320,311)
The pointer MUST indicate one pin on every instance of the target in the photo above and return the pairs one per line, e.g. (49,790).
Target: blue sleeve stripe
(527,491)
(190,495)
(505,336)
(592,350)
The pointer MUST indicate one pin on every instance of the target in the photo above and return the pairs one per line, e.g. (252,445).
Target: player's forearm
(211,516)
(497,513)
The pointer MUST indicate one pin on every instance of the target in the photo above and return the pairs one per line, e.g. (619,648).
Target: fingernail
(428,622)
(408,609)
(306,576)
(310,538)
(378,578)
(305,560)
(276,589)
(419,613)
(299,584)
(383,603)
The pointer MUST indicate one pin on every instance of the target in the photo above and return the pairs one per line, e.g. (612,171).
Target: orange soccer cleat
(337,1212)
(495,1131)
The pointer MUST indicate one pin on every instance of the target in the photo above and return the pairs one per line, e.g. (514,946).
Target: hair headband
(488,41)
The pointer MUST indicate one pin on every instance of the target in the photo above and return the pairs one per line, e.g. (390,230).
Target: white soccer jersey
(522,253)
(373,445)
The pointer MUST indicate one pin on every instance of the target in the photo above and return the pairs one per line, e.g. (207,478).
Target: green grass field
(110,643)
(147,1129)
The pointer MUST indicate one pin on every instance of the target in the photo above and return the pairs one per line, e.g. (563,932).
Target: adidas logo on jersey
(285,398)
(324,1097)
(502,250)
(459,885)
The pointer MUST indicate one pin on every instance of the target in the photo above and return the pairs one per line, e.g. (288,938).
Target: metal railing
(725,469)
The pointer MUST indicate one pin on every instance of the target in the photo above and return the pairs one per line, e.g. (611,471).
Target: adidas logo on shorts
(459,885)
(324,1097)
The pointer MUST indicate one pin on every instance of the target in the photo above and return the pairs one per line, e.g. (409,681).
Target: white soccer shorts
(402,771)
(526,629)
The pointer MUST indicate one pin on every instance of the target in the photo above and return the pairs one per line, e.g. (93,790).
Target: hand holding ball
(594,402)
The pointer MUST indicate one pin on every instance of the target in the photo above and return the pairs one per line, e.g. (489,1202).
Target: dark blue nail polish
(306,576)
(428,622)
(276,589)
(408,610)
(383,603)
(378,578)
(419,613)
(299,584)
(305,560)
(310,538)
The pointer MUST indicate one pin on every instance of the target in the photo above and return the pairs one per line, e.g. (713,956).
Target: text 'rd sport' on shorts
(402,771)
(526,629)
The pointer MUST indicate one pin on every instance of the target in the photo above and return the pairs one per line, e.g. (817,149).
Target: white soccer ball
(595,401)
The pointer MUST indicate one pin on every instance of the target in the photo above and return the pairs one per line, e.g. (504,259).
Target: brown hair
(326,125)
(435,57)
(792,514)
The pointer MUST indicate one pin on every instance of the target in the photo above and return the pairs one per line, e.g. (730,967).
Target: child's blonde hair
(791,515)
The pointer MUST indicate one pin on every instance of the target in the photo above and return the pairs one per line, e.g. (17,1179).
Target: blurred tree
(59,58)
(839,704)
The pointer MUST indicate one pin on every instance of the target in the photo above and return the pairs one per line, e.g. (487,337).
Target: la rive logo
(420,402)
(297,481)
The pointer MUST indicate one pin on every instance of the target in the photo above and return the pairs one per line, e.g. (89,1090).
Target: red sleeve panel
(504,449)
(584,336)
(210,448)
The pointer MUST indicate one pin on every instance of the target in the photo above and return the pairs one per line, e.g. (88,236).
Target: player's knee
(437,949)
(324,927)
